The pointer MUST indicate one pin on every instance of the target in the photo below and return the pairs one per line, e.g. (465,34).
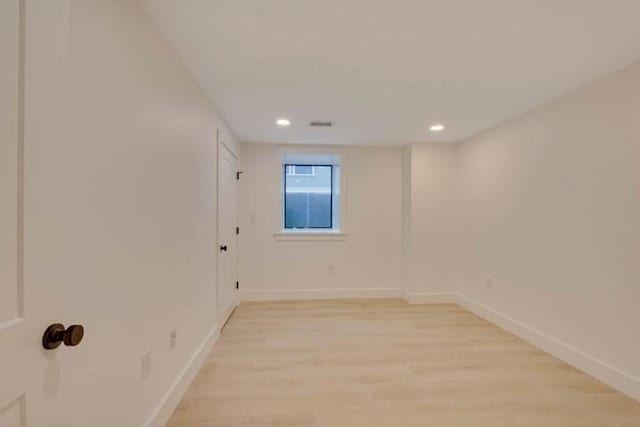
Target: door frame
(223,316)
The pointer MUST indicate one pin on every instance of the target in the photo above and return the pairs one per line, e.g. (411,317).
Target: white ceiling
(384,70)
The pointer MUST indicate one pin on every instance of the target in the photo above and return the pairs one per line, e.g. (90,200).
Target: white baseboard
(226,312)
(429,298)
(604,372)
(310,294)
(163,412)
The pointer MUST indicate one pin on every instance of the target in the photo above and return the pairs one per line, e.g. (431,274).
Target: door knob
(56,334)
(223,248)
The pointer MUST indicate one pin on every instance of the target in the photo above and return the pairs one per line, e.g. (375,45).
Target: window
(308,196)
(312,189)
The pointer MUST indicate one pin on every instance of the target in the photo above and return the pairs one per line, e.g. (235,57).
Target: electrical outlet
(173,336)
(146,365)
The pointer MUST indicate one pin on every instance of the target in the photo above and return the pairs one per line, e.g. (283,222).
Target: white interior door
(33,100)
(12,325)
(227,237)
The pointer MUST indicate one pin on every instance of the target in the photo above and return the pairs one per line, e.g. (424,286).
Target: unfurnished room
(337,213)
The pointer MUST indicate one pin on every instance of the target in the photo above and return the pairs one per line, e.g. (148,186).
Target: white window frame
(294,170)
(310,157)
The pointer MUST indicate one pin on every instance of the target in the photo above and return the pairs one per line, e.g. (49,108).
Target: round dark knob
(73,335)
(56,334)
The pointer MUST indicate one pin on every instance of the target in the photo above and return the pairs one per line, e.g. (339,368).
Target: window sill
(310,235)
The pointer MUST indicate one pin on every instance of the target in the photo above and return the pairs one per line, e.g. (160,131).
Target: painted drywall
(534,224)
(367,263)
(549,221)
(121,217)
(430,218)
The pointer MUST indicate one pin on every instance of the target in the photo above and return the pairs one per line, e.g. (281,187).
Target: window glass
(308,196)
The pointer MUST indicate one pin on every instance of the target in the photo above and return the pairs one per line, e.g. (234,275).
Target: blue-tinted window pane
(308,196)
(303,170)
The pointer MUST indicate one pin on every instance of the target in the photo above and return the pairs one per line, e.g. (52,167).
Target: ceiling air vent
(321,124)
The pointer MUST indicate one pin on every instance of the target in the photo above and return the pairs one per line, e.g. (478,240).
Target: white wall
(368,263)
(431,219)
(130,205)
(549,232)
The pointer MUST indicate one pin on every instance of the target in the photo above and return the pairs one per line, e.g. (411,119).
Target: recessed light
(283,123)
(437,128)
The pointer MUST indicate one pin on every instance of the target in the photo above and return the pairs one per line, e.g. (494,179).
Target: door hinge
(238,175)
(237,230)
(237,285)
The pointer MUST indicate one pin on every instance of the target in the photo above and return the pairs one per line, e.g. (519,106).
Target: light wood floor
(386,363)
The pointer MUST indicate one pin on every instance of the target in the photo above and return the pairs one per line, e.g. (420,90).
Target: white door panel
(33,105)
(10,140)
(13,348)
(227,238)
